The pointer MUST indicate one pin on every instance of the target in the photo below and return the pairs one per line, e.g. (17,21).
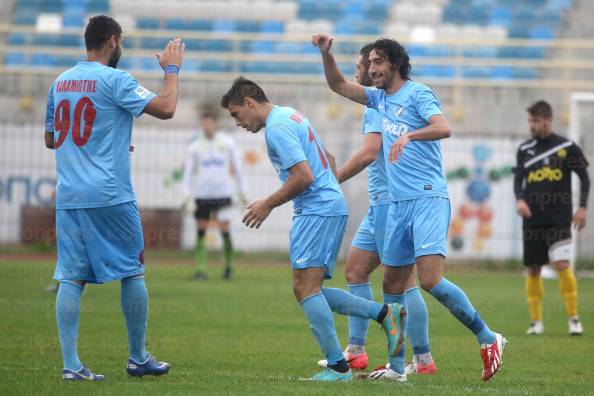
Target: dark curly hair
(393,51)
(99,30)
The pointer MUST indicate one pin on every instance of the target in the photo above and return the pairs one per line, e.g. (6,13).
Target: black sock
(341,366)
(382,314)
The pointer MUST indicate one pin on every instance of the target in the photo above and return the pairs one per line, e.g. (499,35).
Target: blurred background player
(419,214)
(542,186)
(367,246)
(307,172)
(99,234)
(212,161)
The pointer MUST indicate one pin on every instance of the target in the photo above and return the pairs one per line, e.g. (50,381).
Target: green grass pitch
(249,336)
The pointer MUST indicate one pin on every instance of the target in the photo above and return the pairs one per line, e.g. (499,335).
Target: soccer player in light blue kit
(366,251)
(419,213)
(89,124)
(320,213)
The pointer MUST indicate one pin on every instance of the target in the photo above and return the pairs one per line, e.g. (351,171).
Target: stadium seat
(502,73)
(223,26)
(148,23)
(272,27)
(25,18)
(215,66)
(15,59)
(15,38)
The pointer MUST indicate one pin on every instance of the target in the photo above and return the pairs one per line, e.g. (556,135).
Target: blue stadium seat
(15,59)
(129,62)
(439,51)
(262,46)
(73,19)
(223,26)
(191,65)
(417,50)
(272,27)
(98,6)
(150,64)
(481,52)
(525,73)
(64,61)
(148,23)
(501,16)
(25,18)
(45,40)
(41,59)
(247,26)
(476,72)
(217,45)
(188,24)
(215,66)
(542,32)
(69,40)
(53,6)
(15,38)
(153,42)
(502,73)
(288,47)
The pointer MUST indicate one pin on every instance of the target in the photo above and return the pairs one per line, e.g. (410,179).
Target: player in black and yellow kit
(542,186)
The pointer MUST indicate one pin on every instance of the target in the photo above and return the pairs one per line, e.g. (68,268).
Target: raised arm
(164,104)
(334,77)
(300,178)
(372,142)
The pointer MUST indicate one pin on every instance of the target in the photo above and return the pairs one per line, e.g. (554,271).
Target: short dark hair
(395,53)
(243,88)
(99,29)
(540,109)
(366,50)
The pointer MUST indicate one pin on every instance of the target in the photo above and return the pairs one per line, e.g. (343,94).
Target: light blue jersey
(291,139)
(418,173)
(377,180)
(90,109)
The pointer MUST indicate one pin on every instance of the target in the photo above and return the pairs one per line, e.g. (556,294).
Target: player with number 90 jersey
(291,138)
(90,109)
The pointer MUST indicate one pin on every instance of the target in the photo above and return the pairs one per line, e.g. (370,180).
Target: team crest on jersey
(142,92)
(399,111)
(562,153)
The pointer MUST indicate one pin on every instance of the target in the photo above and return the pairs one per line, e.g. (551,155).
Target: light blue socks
(134,299)
(358,326)
(455,300)
(343,302)
(67,316)
(321,323)
(418,321)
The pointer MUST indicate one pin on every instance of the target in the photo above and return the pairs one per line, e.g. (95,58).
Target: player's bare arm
(164,104)
(49,139)
(332,162)
(300,178)
(438,129)
(334,77)
(372,143)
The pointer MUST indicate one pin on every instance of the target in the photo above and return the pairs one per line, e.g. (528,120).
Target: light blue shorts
(418,227)
(100,244)
(314,241)
(371,233)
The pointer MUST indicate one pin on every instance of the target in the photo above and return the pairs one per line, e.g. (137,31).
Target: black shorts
(539,239)
(205,206)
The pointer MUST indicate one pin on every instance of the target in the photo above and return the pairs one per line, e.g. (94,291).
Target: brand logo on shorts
(301,260)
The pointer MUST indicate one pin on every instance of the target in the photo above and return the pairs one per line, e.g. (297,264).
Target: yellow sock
(568,286)
(535,295)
